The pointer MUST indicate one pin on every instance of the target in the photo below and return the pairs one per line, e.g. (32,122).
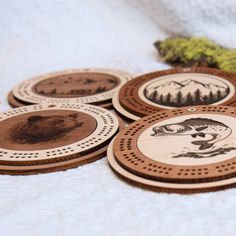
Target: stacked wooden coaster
(182,140)
(89,86)
(49,137)
(174,88)
(183,150)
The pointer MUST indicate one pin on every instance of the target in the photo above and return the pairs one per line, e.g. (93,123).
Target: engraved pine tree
(185,93)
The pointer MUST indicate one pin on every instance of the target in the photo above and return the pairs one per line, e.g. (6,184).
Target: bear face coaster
(175,88)
(50,134)
(192,146)
(92,86)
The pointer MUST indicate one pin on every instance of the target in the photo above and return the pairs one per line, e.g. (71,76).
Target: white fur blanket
(41,36)
(215,19)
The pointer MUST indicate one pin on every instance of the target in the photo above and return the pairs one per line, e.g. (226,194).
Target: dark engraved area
(39,129)
(45,129)
(186,93)
(76,85)
(218,151)
(202,132)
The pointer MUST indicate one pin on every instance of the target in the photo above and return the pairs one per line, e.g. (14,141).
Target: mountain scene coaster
(176,88)
(53,133)
(92,86)
(190,145)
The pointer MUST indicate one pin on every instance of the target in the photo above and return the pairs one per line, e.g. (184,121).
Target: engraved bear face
(44,128)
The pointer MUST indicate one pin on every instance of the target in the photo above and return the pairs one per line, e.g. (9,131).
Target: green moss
(197,51)
(227,61)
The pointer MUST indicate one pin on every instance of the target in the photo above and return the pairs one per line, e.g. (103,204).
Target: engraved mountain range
(187,92)
(73,87)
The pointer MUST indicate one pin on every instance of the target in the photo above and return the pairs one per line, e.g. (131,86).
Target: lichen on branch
(196,51)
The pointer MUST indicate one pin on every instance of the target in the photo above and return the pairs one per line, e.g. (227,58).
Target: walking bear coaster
(175,88)
(50,137)
(185,150)
(90,86)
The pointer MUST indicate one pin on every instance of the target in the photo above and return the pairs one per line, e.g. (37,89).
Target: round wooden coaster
(93,86)
(72,162)
(186,145)
(184,188)
(55,165)
(48,133)
(177,88)
(14,102)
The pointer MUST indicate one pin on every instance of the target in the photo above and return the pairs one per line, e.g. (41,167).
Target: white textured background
(40,36)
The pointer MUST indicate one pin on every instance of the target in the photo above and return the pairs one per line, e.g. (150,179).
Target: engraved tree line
(179,100)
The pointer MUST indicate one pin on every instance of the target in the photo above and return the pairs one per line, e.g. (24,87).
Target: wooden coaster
(154,185)
(72,162)
(186,145)
(177,88)
(14,102)
(93,86)
(53,133)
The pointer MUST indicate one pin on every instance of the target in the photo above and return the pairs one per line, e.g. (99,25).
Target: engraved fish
(196,127)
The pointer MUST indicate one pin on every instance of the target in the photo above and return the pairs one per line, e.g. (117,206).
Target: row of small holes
(226,167)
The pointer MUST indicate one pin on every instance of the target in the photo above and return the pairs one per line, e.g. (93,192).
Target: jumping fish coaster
(185,150)
(89,86)
(175,88)
(51,137)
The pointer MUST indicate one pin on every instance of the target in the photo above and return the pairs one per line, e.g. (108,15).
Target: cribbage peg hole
(192,109)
